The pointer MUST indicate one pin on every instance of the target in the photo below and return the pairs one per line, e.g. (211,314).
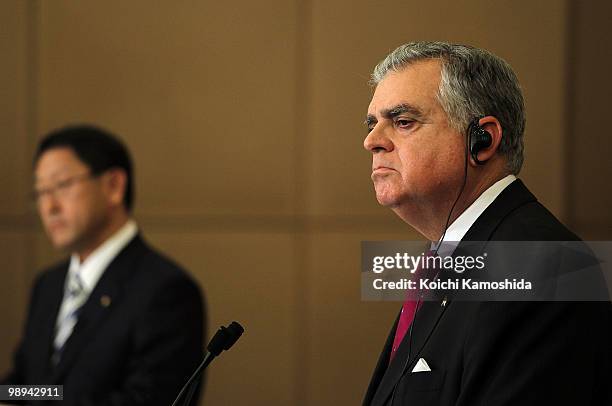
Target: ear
(115,185)
(492,126)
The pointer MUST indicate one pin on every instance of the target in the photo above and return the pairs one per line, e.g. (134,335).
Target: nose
(377,140)
(48,204)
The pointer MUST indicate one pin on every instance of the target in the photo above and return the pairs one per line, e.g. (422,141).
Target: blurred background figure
(117,323)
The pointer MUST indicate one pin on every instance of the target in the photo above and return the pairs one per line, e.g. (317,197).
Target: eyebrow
(396,111)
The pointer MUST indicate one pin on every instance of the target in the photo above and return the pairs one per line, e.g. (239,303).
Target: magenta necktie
(409,309)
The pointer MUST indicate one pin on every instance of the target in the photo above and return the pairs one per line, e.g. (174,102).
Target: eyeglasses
(62,188)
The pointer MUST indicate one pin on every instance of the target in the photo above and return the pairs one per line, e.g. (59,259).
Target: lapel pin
(443,302)
(105,300)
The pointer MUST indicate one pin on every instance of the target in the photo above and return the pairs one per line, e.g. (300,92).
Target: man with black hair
(117,323)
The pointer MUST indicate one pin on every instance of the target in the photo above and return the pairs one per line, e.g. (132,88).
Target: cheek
(419,162)
(93,211)
(432,166)
(70,217)
(451,160)
(78,212)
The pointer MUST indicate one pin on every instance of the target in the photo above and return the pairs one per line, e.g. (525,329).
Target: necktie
(409,309)
(74,297)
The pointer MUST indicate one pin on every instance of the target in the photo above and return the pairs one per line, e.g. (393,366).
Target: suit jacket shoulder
(516,215)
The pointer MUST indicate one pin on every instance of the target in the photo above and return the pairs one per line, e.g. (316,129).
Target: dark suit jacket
(137,340)
(502,353)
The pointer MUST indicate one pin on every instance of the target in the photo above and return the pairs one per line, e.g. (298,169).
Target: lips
(381,168)
(56,225)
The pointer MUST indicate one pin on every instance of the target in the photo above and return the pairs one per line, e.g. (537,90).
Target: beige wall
(15,230)
(588,164)
(245,122)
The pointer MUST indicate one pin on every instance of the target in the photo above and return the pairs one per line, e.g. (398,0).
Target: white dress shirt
(457,230)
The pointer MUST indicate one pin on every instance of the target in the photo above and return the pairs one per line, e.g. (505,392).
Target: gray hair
(473,83)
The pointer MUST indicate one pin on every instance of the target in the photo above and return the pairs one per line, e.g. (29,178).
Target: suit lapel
(52,295)
(102,299)
(425,322)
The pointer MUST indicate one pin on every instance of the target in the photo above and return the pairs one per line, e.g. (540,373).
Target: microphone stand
(191,382)
(223,339)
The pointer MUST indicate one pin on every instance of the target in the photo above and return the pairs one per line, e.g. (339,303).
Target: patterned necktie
(74,297)
(409,309)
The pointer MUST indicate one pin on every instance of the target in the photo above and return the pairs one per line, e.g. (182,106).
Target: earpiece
(479,139)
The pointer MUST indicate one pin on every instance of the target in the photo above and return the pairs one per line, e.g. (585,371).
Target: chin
(387,200)
(389,194)
(63,243)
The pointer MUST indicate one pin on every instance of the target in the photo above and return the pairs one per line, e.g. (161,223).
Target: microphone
(223,339)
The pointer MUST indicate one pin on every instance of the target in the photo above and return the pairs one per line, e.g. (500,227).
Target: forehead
(417,84)
(58,162)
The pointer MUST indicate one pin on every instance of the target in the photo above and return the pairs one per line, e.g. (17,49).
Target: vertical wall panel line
(571,53)
(302,130)
(31,126)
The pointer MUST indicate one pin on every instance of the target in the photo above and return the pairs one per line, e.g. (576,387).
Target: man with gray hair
(445,129)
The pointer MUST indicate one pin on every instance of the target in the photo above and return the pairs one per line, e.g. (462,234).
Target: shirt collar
(96,263)
(457,230)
